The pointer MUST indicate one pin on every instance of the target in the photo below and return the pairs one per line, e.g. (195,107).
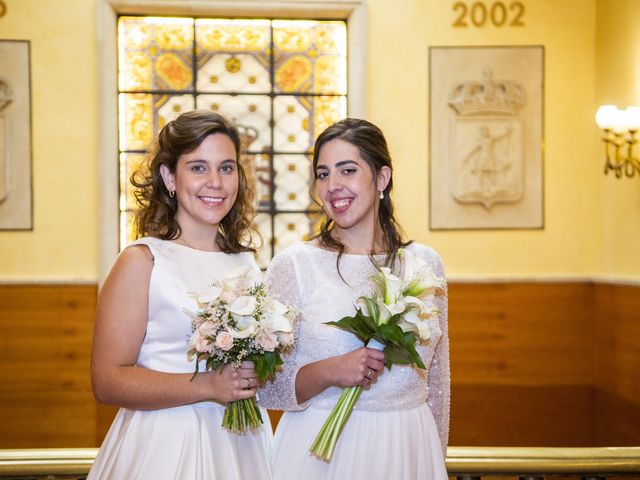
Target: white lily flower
(415,303)
(362,304)
(417,277)
(397,307)
(411,321)
(275,316)
(244,305)
(387,311)
(246,326)
(207,295)
(392,286)
(384,313)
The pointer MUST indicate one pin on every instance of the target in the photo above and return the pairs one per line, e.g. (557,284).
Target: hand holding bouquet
(400,311)
(239,321)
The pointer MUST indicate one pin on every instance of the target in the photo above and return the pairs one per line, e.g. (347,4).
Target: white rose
(224,341)
(267,342)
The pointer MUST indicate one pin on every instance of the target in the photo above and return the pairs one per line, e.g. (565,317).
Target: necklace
(184,242)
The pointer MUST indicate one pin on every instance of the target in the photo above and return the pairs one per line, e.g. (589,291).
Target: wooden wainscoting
(616,347)
(45,345)
(533,363)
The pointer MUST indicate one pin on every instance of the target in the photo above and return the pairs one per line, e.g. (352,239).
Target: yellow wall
(618,83)
(577,233)
(570,242)
(62,245)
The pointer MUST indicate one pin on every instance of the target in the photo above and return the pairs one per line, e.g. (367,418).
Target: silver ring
(368,374)
(248,383)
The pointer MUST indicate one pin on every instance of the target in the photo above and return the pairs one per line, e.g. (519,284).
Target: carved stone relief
(486,137)
(15,136)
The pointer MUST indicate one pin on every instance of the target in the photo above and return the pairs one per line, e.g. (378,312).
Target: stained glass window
(281,81)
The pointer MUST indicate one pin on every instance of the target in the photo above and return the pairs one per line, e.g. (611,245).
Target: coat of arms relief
(486,137)
(486,140)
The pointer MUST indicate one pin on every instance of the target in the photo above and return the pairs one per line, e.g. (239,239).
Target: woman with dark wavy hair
(399,427)
(194,220)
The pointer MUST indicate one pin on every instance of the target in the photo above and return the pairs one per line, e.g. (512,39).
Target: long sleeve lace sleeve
(439,382)
(282,281)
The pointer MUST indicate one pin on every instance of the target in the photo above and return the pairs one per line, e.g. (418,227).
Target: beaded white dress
(399,427)
(185,442)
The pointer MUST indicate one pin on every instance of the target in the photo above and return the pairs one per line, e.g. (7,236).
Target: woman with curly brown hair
(194,220)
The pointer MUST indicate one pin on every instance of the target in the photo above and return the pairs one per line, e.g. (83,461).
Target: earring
(381,196)
(172,193)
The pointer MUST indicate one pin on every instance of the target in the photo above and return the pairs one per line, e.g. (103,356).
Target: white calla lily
(244,305)
(416,324)
(208,295)
(275,316)
(361,303)
(383,312)
(392,286)
(246,326)
(398,307)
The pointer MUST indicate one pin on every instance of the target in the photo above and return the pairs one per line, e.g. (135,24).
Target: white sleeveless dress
(185,442)
(399,428)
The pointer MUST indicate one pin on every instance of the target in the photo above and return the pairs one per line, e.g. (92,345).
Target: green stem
(325,442)
(242,415)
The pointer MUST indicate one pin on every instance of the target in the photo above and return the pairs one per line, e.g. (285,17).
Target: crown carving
(488,96)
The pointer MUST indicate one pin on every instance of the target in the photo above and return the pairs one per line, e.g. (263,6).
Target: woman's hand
(358,367)
(231,383)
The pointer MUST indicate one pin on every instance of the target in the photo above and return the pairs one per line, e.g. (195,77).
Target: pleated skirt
(185,442)
(397,445)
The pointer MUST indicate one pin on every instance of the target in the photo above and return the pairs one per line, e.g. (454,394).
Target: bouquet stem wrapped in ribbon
(400,311)
(239,321)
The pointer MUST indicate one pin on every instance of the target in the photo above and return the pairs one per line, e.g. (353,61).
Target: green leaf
(374,309)
(360,325)
(266,364)
(399,345)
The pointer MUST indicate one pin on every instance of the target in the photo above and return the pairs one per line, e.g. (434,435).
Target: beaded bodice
(305,277)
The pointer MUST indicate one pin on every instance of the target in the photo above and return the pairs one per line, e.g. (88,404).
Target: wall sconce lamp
(620,129)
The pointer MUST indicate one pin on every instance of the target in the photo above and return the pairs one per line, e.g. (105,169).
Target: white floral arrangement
(237,320)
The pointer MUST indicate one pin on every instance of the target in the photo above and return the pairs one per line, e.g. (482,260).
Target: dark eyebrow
(341,163)
(202,160)
(345,162)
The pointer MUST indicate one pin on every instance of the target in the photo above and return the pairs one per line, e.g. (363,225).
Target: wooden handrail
(475,461)
(543,460)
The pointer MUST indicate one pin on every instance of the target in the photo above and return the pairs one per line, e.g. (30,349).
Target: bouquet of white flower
(239,321)
(400,311)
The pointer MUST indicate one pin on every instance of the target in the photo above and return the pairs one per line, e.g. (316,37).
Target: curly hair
(372,146)
(156,215)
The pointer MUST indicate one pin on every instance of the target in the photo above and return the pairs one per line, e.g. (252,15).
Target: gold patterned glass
(280,81)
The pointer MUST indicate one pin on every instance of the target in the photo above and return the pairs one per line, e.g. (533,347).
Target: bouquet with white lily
(239,321)
(398,313)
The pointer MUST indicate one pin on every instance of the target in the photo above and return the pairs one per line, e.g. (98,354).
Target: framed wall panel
(15,136)
(486,137)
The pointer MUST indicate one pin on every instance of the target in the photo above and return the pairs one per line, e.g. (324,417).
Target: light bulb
(605,116)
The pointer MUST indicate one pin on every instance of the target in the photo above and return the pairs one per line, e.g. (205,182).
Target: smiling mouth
(212,200)
(342,203)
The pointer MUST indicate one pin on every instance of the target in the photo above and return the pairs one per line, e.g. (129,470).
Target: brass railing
(462,462)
